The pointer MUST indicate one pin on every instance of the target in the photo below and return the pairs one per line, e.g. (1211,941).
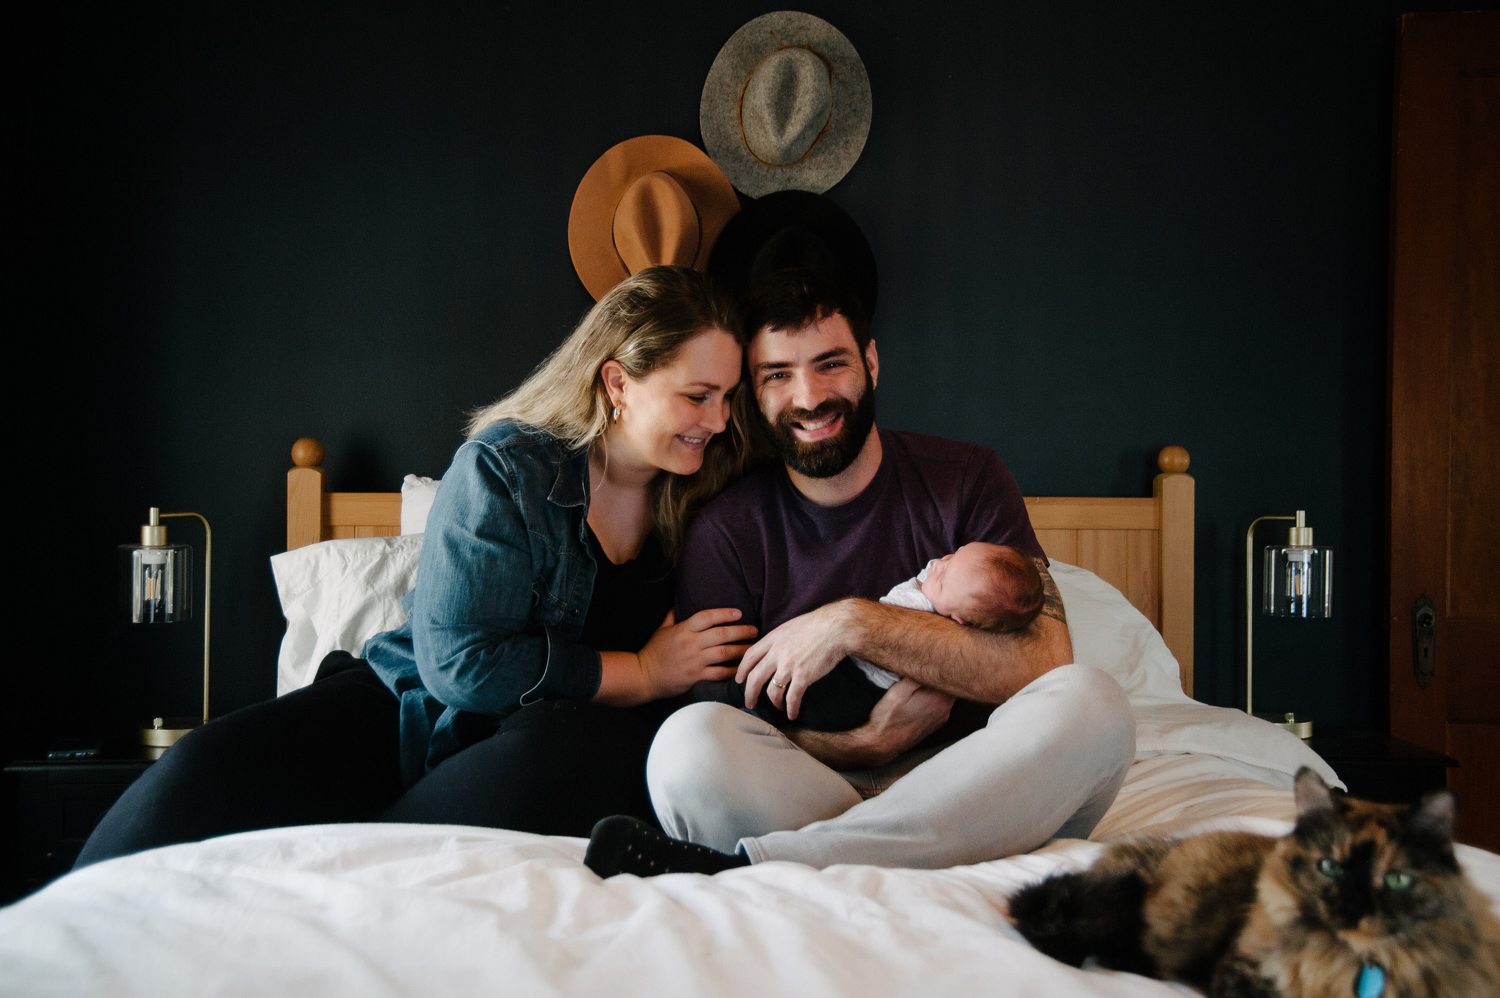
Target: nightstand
(1380,768)
(57,804)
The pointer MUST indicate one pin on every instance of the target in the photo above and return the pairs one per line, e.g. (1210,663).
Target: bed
(399,910)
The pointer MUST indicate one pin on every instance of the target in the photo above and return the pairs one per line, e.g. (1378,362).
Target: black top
(629,600)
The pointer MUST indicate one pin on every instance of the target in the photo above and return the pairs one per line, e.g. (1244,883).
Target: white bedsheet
(407,910)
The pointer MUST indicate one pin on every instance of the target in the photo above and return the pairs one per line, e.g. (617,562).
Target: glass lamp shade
(1298,581)
(158,582)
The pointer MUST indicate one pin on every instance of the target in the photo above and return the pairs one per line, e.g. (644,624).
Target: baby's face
(954,580)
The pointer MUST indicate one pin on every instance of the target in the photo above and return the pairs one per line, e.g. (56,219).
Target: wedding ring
(779,686)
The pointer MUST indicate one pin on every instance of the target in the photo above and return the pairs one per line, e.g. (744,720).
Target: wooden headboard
(1141,546)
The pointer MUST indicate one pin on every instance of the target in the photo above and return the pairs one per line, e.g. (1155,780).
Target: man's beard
(824,458)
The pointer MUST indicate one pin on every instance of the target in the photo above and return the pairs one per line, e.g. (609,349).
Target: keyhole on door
(1424,640)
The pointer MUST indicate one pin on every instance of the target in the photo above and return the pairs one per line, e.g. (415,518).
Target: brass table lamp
(1298,583)
(159,590)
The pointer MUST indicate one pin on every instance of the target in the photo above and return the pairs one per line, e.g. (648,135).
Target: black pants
(329,752)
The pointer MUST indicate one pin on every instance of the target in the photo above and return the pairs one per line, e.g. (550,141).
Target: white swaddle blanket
(909,595)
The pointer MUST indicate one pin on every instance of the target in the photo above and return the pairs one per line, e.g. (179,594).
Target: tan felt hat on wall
(648,201)
(786,105)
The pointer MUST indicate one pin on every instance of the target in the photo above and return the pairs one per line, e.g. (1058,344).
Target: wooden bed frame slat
(1141,546)
(1055,513)
(374,511)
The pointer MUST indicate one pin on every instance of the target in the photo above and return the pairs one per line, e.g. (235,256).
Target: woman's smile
(692,392)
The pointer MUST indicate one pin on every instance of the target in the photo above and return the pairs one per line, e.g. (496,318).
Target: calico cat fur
(1246,916)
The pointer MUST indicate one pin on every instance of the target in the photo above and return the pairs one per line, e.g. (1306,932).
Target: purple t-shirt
(764,549)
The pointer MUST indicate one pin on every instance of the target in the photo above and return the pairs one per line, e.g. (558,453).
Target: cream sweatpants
(1047,765)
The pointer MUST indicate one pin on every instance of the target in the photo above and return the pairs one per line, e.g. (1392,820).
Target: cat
(1360,899)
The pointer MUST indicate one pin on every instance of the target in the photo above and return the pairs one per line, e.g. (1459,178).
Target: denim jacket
(503,587)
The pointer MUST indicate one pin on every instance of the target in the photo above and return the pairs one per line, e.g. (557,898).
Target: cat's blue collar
(1370,983)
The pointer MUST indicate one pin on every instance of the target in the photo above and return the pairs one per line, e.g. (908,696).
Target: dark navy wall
(1100,230)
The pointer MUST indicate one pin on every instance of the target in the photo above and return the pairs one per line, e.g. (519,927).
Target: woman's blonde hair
(642,323)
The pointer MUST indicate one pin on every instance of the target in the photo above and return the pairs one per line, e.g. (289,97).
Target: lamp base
(163,732)
(1298,724)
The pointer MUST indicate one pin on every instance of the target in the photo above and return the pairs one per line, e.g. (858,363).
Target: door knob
(1424,640)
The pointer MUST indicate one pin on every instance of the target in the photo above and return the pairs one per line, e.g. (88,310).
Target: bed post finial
(1172,460)
(308,453)
(304,495)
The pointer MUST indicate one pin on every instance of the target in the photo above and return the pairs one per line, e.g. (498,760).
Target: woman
(519,694)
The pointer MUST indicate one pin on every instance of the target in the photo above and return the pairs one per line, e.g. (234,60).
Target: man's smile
(813,430)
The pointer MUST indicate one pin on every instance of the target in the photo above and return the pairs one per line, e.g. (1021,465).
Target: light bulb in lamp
(1299,575)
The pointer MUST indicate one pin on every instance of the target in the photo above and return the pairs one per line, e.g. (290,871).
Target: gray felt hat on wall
(786,105)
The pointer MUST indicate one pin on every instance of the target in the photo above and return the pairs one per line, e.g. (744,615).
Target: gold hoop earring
(615,416)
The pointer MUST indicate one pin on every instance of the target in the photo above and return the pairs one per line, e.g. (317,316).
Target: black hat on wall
(800,230)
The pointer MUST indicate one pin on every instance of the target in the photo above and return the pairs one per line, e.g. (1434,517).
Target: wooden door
(1445,402)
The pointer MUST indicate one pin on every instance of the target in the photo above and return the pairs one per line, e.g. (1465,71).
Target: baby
(989,586)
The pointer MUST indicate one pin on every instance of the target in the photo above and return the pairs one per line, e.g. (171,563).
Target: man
(802,547)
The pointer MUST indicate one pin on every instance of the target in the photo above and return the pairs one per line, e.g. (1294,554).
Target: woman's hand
(679,655)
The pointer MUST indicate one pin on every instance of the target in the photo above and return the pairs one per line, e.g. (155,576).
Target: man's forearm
(928,649)
(964,661)
(839,749)
(906,714)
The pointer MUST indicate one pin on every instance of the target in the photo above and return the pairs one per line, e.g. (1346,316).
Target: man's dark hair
(795,299)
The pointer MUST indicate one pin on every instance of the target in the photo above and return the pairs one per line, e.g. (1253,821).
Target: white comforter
(414,910)
(408,910)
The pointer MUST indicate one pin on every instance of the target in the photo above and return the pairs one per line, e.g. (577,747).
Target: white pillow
(1110,634)
(336,596)
(417,494)
(1113,636)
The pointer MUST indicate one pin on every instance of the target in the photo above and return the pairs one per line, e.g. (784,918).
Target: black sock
(623,844)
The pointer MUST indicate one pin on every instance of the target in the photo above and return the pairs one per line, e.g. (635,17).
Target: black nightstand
(57,804)
(1381,768)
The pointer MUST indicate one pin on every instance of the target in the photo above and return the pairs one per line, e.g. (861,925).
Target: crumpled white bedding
(407,910)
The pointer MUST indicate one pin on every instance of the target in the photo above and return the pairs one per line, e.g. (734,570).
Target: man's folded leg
(718,774)
(1048,764)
